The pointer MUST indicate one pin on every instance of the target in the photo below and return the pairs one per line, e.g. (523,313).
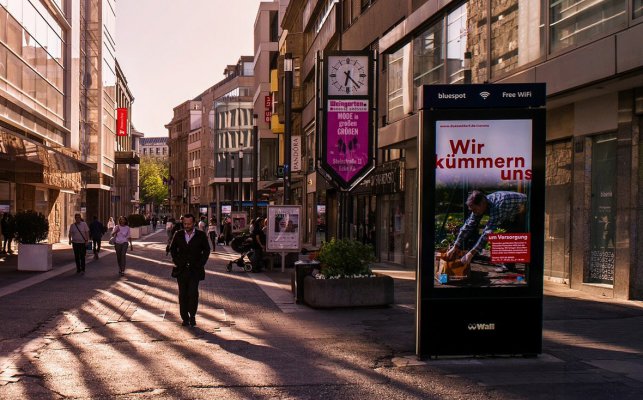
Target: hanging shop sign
(121,122)
(347,139)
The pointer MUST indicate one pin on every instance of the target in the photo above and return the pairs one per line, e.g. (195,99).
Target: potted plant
(31,229)
(345,278)
(136,221)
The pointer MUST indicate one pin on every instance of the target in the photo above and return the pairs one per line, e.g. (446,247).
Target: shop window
(577,21)
(603,210)
(517,34)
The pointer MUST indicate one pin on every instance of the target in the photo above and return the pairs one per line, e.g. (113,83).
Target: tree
(152,172)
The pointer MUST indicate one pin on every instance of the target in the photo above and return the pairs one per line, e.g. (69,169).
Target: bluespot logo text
(452,96)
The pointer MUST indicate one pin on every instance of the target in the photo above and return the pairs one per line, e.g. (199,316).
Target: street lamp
(232,180)
(288,124)
(240,180)
(255,164)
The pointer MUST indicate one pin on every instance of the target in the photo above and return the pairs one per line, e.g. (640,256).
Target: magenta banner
(347,137)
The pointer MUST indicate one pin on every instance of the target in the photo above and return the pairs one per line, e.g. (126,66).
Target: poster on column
(347,145)
(283,228)
(483,171)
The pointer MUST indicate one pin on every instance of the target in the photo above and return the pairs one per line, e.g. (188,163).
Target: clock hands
(348,77)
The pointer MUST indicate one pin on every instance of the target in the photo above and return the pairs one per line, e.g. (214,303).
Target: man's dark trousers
(80,251)
(188,294)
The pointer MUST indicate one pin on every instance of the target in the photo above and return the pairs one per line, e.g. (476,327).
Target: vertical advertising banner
(121,122)
(347,137)
(283,228)
(267,103)
(483,173)
(347,132)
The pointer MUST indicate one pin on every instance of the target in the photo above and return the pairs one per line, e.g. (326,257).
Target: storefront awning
(126,157)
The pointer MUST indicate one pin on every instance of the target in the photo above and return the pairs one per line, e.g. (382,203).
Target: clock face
(347,76)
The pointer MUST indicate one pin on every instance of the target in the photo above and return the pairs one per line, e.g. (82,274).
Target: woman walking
(212,232)
(121,235)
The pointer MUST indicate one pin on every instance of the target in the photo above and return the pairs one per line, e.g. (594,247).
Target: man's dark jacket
(195,253)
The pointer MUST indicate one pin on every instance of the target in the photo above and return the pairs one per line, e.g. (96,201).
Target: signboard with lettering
(295,153)
(267,108)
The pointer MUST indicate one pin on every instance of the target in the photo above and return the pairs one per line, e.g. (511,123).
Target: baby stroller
(242,244)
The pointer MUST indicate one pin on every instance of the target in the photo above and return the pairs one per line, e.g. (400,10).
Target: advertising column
(480,264)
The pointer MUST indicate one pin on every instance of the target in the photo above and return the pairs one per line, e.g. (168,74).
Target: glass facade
(456,44)
(32,57)
(395,84)
(577,21)
(232,131)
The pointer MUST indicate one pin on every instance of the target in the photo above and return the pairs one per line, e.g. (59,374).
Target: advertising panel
(239,221)
(226,209)
(483,173)
(347,137)
(283,228)
(481,231)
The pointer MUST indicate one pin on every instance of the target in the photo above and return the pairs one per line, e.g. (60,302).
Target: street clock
(347,75)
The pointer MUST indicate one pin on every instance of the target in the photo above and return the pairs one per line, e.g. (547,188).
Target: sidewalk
(101,336)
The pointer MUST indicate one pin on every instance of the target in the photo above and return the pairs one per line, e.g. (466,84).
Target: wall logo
(481,327)
(484,95)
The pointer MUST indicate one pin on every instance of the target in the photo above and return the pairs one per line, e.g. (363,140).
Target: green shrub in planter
(136,220)
(31,227)
(345,258)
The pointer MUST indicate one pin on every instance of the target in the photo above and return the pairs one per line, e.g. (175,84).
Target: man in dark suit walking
(190,251)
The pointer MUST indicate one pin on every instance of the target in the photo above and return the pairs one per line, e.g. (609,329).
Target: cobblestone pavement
(100,336)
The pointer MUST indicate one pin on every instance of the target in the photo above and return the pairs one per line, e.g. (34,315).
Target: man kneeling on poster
(506,211)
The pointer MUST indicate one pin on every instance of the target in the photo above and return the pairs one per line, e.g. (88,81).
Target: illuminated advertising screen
(483,172)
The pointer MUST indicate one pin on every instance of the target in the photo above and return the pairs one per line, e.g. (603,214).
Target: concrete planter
(145,230)
(34,257)
(348,292)
(135,233)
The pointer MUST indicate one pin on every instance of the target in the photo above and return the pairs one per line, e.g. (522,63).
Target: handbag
(89,246)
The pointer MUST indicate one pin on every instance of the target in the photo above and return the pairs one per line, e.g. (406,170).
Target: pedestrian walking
(78,238)
(110,225)
(203,223)
(96,231)
(8,227)
(169,225)
(212,233)
(227,231)
(190,252)
(122,237)
(155,222)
